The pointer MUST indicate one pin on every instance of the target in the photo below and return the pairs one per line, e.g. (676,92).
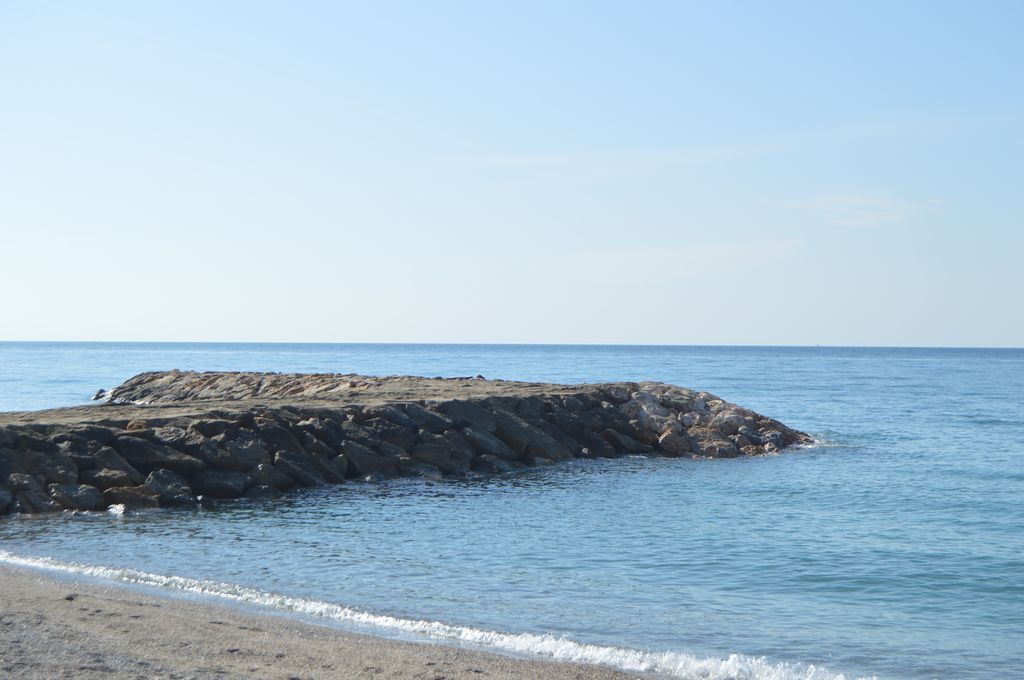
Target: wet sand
(57,628)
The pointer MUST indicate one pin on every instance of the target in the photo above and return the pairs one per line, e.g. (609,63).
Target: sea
(891,548)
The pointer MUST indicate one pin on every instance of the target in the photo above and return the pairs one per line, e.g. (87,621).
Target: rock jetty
(174,438)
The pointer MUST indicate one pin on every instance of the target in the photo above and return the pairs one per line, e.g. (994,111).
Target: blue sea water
(893,548)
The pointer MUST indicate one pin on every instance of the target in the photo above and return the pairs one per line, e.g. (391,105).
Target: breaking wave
(675,664)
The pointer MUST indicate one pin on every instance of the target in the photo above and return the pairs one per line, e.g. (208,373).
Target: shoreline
(52,627)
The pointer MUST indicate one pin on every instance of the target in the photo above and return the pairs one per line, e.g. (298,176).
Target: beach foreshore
(64,628)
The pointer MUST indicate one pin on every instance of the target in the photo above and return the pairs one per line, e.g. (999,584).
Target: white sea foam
(676,664)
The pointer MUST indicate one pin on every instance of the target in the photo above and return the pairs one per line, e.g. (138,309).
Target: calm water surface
(894,548)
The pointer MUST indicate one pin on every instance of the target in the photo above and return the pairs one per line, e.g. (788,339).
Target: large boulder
(491,465)
(6,498)
(107,458)
(276,437)
(324,429)
(595,445)
(246,450)
(392,414)
(300,467)
(48,462)
(450,452)
(170,488)
(711,446)
(132,497)
(623,443)
(212,427)
(729,421)
(314,445)
(194,443)
(333,469)
(105,478)
(29,496)
(220,483)
(486,444)
(146,455)
(381,430)
(268,476)
(424,418)
(468,414)
(364,461)
(674,443)
(527,440)
(77,496)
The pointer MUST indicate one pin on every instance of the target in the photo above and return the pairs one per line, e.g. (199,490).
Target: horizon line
(502,344)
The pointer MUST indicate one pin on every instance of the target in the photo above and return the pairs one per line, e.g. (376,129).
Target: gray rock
(728,422)
(264,475)
(383,430)
(6,498)
(339,464)
(324,429)
(527,440)
(711,447)
(77,496)
(486,444)
(350,431)
(332,469)
(595,444)
(623,443)
(213,427)
(299,467)
(51,464)
(674,443)
(363,461)
(105,478)
(773,438)
(36,501)
(414,468)
(430,421)
(276,437)
(220,483)
(247,450)
(170,488)
(194,443)
(751,434)
(468,414)
(489,465)
(447,452)
(314,445)
(131,497)
(109,459)
(144,454)
(392,414)
(20,481)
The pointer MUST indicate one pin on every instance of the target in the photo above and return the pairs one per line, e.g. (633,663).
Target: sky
(752,173)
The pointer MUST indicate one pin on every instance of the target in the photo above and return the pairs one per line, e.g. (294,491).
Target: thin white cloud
(853,210)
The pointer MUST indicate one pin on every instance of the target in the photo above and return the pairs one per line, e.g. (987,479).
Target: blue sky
(681,173)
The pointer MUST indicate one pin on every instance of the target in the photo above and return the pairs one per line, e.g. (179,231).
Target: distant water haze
(892,548)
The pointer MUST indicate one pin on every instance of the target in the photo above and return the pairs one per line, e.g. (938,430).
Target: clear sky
(629,172)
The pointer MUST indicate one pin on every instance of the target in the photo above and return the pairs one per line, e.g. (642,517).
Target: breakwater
(174,438)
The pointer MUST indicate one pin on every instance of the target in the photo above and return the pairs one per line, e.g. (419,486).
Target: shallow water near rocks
(894,548)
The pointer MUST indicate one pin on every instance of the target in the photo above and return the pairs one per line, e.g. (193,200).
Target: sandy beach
(55,628)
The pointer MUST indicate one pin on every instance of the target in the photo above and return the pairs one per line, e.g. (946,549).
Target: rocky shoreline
(174,438)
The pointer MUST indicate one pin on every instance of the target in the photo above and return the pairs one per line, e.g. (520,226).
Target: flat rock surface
(62,629)
(183,393)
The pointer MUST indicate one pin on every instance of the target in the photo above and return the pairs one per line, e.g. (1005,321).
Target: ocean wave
(675,664)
